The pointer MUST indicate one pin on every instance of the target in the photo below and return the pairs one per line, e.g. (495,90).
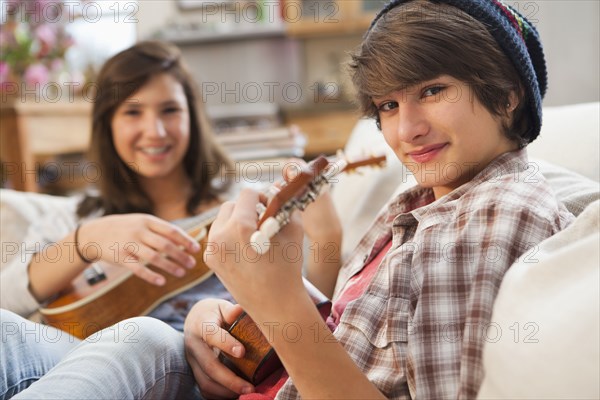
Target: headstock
(373,161)
(294,189)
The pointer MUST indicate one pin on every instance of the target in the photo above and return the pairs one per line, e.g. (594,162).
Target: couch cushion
(358,196)
(575,191)
(544,338)
(570,138)
(18,210)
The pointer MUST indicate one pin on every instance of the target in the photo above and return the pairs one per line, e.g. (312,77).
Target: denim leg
(139,358)
(28,351)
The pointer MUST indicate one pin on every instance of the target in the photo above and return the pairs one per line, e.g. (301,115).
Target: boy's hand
(204,339)
(320,220)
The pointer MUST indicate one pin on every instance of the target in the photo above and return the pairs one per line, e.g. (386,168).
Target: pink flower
(68,41)
(57,65)
(46,34)
(4,72)
(4,37)
(36,74)
(36,44)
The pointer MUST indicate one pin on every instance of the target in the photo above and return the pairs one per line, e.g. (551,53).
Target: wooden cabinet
(30,131)
(326,130)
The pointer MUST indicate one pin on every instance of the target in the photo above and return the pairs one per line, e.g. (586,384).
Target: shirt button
(365,258)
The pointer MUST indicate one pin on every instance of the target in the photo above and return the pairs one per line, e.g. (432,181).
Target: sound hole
(94,274)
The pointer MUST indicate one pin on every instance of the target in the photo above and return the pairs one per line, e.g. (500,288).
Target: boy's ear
(513,101)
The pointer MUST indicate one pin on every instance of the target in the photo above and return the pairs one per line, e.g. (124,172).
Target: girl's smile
(151,129)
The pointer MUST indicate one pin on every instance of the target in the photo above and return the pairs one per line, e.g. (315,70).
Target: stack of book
(254,131)
(261,143)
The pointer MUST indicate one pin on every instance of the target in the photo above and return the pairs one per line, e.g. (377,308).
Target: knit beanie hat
(517,38)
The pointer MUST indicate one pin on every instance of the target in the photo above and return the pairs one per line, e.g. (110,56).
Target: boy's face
(441,132)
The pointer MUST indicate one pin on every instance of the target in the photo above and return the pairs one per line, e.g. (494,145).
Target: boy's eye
(387,106)
(432,91)
(170,110)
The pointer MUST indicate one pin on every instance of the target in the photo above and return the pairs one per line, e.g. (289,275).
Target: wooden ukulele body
(84,308)
(260,359)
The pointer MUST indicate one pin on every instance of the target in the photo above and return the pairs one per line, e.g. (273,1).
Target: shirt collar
(412,205)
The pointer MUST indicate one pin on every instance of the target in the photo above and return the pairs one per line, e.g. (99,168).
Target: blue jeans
(28,351)
(139,358)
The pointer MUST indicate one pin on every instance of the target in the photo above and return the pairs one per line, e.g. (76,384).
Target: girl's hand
(204,339)
(135,241)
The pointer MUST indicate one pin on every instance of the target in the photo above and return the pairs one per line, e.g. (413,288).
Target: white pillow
(18,210)
(575,191)
(543,341)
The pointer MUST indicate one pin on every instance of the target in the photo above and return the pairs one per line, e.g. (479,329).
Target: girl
(158,160)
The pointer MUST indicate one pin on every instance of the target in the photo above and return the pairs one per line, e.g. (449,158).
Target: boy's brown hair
(419,41)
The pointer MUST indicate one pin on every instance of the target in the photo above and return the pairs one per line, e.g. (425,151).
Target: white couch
(558,294)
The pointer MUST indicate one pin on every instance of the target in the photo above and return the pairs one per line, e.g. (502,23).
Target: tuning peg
(260,209)
(260,242)
(272,191)
(261,239)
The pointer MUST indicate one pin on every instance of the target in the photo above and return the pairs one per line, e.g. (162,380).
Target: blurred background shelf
(289,60)
(190,35)
(31,132)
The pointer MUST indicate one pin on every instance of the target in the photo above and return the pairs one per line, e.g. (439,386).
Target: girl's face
(151,129)
(441,132)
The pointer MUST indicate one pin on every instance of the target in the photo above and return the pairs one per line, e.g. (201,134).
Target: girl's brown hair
(120,77)
(419,41)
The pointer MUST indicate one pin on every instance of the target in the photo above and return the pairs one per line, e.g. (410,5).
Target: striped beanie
(517,38)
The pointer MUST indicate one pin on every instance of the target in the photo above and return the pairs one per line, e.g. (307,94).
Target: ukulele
(105,294)
(260,359)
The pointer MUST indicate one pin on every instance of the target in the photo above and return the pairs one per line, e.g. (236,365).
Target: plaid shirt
(418,330)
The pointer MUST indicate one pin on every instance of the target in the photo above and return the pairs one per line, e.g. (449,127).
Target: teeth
(154,150)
